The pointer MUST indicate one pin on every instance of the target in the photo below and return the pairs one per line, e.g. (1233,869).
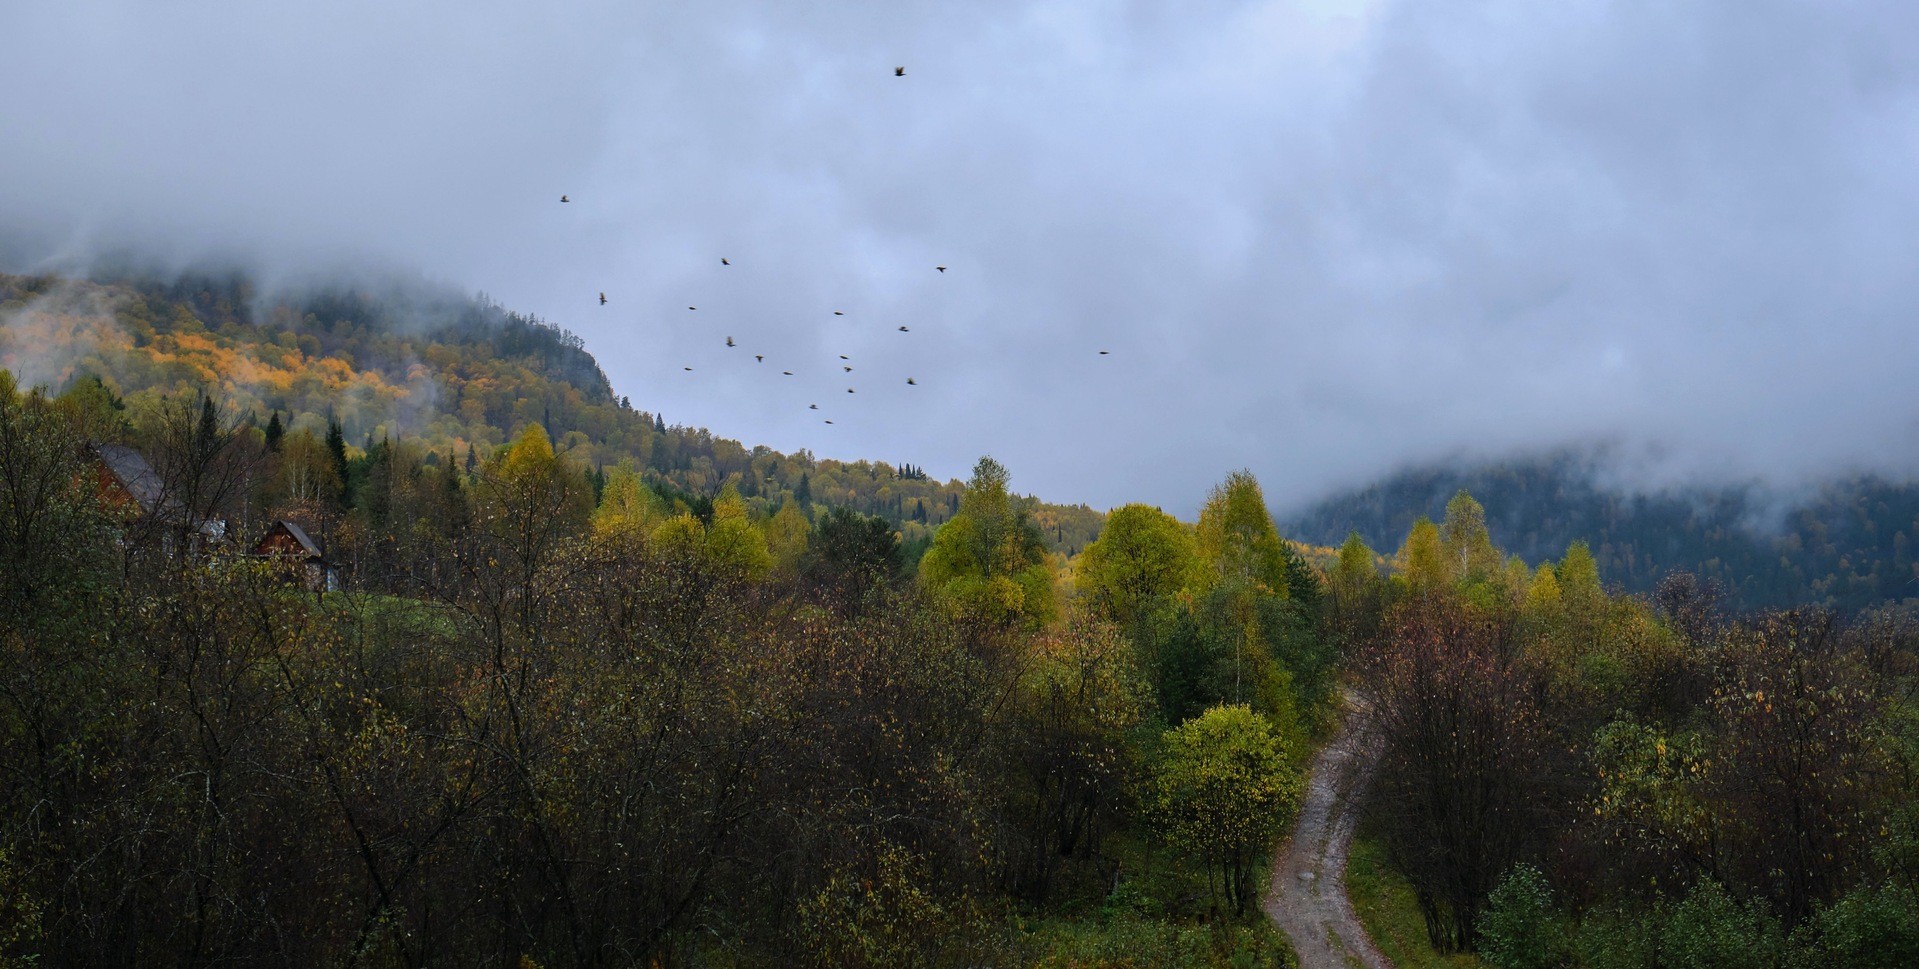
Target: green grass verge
(1384,901)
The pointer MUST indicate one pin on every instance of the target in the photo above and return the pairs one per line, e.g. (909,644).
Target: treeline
(1849,546)
(1570,778)
(566,719)
(407,363)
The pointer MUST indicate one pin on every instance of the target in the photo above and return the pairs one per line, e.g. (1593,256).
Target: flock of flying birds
(845,366)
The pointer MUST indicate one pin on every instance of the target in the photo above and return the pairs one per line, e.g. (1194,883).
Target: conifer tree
(336,449)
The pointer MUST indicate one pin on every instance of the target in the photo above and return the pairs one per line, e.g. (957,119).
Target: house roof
(133,472)
(306,542)
(299,535)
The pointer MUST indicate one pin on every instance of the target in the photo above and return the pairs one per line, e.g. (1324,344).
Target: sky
(1321,240)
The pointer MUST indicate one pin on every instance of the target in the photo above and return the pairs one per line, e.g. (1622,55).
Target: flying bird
(565,199)
(602,299)
(903,329)
(692,307)
(847,369)
(829,422)
(940,268)
(687,369)
(723,261)
(729,341)
(789,373)
(838,313)
(910,382)
(812,407)
(845,357)
(849,390)
(1104,352)
(759,358)
(899,72)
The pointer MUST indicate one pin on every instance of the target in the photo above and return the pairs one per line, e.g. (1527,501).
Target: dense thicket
(557,718)
(1572,778)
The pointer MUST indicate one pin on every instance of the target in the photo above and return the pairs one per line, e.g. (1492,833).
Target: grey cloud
(1322,239)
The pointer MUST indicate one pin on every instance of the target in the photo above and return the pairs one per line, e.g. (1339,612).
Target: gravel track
(1307,897)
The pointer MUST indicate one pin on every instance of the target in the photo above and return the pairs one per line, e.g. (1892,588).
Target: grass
(1384,901)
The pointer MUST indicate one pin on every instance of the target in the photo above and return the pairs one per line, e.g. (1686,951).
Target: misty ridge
(1846,541)
(397,359)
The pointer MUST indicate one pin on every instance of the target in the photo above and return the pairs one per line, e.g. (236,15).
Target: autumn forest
(369,626)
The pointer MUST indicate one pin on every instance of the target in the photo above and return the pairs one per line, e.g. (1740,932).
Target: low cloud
(1321,240)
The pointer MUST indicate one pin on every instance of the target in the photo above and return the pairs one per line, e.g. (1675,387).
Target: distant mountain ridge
(1849,546)
(409,360)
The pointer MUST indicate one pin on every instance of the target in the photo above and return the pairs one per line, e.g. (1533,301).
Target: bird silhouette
(812,407)
(1104,352)
(729,341)
(849,390)
(845,357)
(940,268)
(759,358)
(723,261)
(847,369)
(565,199)
(899,72)
(829,422)
(692,307)
(910,382)
(903,329)
(602,299)
(838,313)
(687,369)
(789,373)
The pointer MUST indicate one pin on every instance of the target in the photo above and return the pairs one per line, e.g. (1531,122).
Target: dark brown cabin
(288,545)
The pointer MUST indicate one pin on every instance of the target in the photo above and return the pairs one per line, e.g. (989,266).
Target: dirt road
(1308,893)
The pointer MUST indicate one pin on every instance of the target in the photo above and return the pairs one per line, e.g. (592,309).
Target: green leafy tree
(1463,536)
(1870,928)
(627,504)
(1143,556)
(732,543)
(1356,591)
(1238,543)
(1223,789)
(1578,577)
(787,533)
(989,559)
(1521,928)
(1424,568)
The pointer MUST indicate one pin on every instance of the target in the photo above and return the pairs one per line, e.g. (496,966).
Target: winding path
(1307,897)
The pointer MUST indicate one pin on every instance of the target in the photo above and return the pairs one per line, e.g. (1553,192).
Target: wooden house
(126,482)
(148,514)
(289,546)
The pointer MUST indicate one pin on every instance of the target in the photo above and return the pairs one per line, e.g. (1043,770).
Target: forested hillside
(445,376)
(567,711)
(558,716)
(1851,545)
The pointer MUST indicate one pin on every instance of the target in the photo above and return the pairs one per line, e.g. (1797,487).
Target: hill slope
(404,359)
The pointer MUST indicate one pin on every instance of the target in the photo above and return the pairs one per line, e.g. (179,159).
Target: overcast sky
(1321,240)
